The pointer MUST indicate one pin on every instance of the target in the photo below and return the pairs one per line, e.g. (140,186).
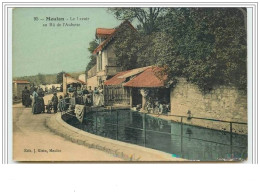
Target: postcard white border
(132,178)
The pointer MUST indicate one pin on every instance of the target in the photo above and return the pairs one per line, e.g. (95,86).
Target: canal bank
(33,141)
(126,151)
(214,124)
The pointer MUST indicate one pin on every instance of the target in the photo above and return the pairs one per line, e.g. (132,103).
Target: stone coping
(126,151)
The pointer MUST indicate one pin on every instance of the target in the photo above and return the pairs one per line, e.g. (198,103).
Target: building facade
(106,65)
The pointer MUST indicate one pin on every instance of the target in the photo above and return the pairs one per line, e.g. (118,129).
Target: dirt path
(33,141)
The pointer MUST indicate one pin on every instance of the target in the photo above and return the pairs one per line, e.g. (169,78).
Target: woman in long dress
(41,100)
(101,96)
(96,97)
(34,101)
(26,97)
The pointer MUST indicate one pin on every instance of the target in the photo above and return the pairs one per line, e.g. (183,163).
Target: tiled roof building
(106,65)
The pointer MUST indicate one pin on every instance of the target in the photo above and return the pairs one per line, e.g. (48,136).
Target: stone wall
(222,103)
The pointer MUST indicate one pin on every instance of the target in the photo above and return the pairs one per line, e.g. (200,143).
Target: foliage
(210,45)
(206,46)
(126,47)
(92,46)
(135,50)
(41,79)
(60,77)
(147,17)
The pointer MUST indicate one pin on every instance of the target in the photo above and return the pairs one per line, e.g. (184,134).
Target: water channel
(180,140)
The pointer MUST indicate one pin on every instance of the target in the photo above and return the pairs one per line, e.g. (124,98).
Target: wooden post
(117,125)
(144,128)
(64,84)
(96,121)
(181,136)
(144,94)
(131,98)
(231,139)
(143,102)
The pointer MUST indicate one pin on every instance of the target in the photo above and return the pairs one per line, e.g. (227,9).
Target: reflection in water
(189,142)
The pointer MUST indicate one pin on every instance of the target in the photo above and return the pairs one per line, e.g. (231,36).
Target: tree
(207,46)
(210,45)
(92,46)
(147,17)
(60,77)
(41,79)
(126,47)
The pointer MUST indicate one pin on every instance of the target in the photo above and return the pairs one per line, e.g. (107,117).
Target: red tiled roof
(100,47)
(148,79)
(104,32)
(21,81)
(67,75)
(104,43)
(115,80)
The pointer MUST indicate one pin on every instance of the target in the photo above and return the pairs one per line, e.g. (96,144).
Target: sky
(52,49)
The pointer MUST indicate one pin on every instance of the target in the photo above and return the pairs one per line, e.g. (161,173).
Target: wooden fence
(116,95)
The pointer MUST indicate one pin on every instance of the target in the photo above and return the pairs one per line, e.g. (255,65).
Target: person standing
(26,100)
(34,101)
(90,96)
(54,100)
(96,97)
(41,100)
(101,96)
(60,104)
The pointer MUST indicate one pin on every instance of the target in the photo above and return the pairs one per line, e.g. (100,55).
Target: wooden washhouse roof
(148,79)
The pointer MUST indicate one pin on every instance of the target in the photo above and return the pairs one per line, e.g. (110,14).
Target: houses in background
(106,65)
(18,87)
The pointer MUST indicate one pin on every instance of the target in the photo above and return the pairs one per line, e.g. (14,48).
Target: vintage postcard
(120,84)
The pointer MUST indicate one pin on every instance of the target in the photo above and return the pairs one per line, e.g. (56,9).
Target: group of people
(88,96)
(35,99)
(157,107)
(38,101)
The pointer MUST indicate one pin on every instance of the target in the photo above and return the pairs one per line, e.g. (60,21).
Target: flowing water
(189,142)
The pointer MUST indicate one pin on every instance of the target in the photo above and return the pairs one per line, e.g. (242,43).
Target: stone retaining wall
(128,152)
(222,103)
